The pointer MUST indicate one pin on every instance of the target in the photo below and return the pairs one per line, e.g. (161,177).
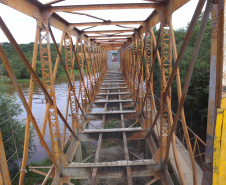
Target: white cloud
(23,27)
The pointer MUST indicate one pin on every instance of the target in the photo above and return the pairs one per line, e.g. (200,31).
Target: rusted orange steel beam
(53,2)
(101,39)
(104,7)
(111,36)
(24,102)
(181,52)
(105,23)
(35,76)
(110,31)
(4,170)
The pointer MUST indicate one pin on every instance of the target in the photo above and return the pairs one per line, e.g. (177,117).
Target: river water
(38,108)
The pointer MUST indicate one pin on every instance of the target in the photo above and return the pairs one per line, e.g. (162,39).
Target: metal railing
(197,144)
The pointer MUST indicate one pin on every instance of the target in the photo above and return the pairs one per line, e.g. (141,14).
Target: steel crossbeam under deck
(121,93)
(121,134)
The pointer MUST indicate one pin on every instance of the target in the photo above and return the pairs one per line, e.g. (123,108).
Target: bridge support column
(4,171)
(47,74)
(215,138)
(165,68)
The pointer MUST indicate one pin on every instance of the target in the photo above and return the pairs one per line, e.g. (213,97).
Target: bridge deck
(123,133)
(113,100)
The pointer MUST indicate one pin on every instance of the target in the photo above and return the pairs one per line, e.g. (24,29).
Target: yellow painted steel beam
(217,146)
(222,166)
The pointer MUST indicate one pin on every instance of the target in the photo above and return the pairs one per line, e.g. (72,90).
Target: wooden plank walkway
(115,87)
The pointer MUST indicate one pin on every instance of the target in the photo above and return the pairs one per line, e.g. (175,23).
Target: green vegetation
(111,124)
(32,178)
(20,69)
(9,110)
(196,103)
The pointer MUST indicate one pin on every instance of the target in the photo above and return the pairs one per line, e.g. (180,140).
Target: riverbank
(6,79)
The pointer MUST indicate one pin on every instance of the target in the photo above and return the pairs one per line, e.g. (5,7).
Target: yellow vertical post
(222,166)
(219,167)
(217,146)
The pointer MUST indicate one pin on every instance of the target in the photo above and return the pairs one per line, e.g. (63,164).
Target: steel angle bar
(35,76)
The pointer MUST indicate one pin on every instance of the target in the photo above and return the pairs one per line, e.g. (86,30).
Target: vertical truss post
(129,69)
(88,72)
(92,69)
(134,67)
(165,68)
(70,69)
(215,137)
(54,78)
(4,170)
(149,80)
(140,86)
(47,74)
(94,66)
(27,128)
(82,90)
(97,65)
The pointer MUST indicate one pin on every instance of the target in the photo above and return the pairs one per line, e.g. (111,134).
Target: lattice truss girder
(47,74)
(137,50)
(165,68)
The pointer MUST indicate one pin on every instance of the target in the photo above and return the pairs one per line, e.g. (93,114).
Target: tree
(196,103)
(11,128)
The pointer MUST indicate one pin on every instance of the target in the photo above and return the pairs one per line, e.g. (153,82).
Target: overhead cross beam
(105,23)
(111,39)
(109,31)
(53,2)
(105,7)
(102,36)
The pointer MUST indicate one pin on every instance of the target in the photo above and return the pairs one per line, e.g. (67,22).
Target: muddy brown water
(38,108)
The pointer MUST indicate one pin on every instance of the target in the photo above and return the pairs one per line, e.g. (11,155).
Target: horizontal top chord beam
(105,7)
(110,31)
(105,23)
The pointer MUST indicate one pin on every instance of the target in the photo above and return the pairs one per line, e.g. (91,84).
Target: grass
(34,178)
(76,72)
(23,80)
(5,79)
(110,124)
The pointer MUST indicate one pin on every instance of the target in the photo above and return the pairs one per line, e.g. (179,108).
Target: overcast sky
(23,27)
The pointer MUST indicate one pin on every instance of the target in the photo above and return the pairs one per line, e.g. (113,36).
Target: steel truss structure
(124,90)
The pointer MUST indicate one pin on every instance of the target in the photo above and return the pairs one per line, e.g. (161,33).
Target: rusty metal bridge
(115,110)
